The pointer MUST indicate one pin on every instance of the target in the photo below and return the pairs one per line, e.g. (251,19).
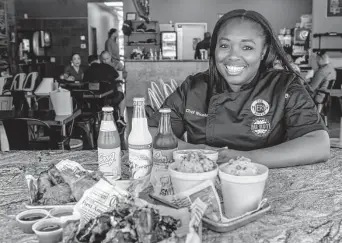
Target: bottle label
(160,178)
(110,163)
(107,126)
(140,160)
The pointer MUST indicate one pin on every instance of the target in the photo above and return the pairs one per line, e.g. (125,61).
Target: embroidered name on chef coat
(196,113)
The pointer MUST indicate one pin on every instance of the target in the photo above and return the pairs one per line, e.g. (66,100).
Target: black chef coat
(273,108)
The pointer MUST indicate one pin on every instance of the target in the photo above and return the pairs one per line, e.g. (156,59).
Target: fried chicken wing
(56,195)
(81,185)
(55,175)
(44,183)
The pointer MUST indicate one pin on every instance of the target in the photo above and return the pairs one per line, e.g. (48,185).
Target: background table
(306,201)
(48,117)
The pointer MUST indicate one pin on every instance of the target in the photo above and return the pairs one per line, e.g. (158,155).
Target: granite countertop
(306,201)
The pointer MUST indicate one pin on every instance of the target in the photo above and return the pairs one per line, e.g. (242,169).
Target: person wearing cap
(242,106)
(203,45)
(322,77)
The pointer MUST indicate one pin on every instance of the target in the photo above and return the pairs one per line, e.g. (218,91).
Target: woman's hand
(225,154)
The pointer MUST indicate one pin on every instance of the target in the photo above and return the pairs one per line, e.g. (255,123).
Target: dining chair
(22,136)
(18,81)
(30,82)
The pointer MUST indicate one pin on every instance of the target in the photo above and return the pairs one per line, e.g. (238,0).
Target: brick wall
(65,34)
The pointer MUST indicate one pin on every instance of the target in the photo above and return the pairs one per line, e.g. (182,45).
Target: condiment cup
(63,211)
(242,194)
(26,226)
(182,181)
(53,236)
(210,154)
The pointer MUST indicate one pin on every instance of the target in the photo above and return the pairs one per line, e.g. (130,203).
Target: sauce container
(27,218)
(49,230)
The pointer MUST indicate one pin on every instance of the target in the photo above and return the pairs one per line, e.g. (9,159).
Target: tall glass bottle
(164,143)
(108,145)
(139,142)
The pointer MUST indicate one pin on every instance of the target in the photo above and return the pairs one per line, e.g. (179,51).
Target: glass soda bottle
(139,142)
(108,145)
(164,143)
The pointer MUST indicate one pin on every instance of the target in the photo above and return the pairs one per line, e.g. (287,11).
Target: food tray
(29,206)
(230,226)
(224,227)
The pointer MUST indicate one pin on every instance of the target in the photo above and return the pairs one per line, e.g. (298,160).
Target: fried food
(240,166)
(44,183)
(55,175)
(55,188)
(81,185)
(126,224)
(195,162)
(57,195)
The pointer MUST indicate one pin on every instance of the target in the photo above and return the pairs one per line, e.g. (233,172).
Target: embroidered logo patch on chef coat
(260,107)
(261,126)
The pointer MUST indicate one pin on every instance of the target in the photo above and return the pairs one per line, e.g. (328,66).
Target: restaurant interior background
(81,26)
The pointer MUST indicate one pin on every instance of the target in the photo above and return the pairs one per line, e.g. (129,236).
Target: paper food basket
(61,101)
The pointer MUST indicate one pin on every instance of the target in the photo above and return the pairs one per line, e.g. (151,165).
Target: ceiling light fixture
(114,4)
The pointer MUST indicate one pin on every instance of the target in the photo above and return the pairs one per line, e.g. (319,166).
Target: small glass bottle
(139,142)
(108,145)
(164,144)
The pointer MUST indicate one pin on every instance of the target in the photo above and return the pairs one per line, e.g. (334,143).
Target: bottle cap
(165,110)
(138,99)
(107,109)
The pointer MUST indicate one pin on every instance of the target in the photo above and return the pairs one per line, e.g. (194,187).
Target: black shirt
(273,108)
(100,72)
(204,44)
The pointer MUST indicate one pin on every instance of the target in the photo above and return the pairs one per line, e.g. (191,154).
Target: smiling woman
(254,110)
(240,49)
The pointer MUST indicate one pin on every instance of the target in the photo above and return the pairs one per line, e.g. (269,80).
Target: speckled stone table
(306,201)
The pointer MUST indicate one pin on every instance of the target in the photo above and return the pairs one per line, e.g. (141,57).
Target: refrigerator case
(168,44)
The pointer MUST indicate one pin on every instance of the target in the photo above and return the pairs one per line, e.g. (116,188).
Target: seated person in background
(204,44)
(321,78)
(242,105)
(106,58)
(99,71)
(74,72)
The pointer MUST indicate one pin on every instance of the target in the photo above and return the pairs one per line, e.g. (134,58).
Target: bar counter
(306,201)
(140,73)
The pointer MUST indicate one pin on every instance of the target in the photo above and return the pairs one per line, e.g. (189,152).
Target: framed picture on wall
(334,8)
(131,16)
